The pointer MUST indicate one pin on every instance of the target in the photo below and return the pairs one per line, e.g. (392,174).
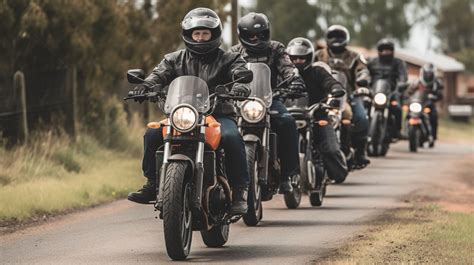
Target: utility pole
(234,13)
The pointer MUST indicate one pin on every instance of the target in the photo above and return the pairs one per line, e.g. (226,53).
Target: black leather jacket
(319,83)
(394,71)
(275,57)
(216,69)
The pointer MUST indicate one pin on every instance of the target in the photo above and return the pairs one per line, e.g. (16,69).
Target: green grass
(52,174)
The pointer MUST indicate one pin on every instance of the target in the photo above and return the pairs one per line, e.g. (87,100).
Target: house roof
(443,62)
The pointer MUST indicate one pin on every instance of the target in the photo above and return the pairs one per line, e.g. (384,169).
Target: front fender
(181,157)
(251,138)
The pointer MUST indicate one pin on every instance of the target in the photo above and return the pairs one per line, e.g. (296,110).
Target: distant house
(458,86)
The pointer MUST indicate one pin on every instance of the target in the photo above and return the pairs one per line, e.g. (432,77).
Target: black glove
(141,89)
(338,92)
(297,86)
(240,90)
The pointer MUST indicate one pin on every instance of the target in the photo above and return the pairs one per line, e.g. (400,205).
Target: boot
(360,159)
(239,200)
(145,195)
(285,186)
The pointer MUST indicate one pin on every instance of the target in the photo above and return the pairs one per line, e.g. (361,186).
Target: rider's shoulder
(277,46)
(236,48)
(172,56)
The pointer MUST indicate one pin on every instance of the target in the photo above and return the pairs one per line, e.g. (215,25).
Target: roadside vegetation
(52,173)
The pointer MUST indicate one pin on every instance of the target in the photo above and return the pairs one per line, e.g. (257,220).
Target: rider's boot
(145,195)
(361,159)
(239,200)
(285,186)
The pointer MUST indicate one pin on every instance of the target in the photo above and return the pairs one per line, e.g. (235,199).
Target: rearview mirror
(243,76)
(337,93)
(135,76)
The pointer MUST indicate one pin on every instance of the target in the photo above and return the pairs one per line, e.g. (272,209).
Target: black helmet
(427,74)
(254,24)
(301,47)
(201,18)
(385,44)
(337,38)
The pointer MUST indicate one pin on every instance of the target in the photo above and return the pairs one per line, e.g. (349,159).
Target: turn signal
(323,122)
(426,110)
(346,122)
(413,121)
(405,107)
(154,125)
(394,103)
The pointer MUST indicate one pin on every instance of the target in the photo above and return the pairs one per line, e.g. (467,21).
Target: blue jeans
(231,142)
(359,119)
(284,125)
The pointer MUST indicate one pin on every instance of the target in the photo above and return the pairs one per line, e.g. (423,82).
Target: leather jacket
(394,71)
(319,83)
(215,69)
(351,63)
(276,58)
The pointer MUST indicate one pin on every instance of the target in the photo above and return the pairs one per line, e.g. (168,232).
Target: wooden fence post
(72,111)
(22,124)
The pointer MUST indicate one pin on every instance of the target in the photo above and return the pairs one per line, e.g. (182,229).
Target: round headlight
(252,111)
(415,107)
(184,119)
(380,99)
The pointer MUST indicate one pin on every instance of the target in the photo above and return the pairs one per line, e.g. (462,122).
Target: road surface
(123,232)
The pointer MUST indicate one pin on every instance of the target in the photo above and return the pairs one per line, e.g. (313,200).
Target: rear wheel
(177,216)
(216,237)
(254,212)
(413,138)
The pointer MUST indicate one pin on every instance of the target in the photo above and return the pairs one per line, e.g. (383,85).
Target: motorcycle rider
(319,84)
(202,57)
(431,84)
(256,46)
(354,66)
(385,66)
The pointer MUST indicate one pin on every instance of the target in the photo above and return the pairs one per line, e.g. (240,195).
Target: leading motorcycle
(193,191)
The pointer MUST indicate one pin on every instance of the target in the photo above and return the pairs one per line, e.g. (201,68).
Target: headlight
(253,111)
(380,99)
(415,107)
(184,118)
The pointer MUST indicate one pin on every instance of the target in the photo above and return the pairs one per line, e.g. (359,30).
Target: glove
(363,91)
(240,90)
(432,96)
(338,92)
(297,86)
(141,89)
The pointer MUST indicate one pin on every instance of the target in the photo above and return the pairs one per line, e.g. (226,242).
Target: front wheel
(177,216)
(413,138)
(216,237)
(293,199)
(254,201)
(316,198)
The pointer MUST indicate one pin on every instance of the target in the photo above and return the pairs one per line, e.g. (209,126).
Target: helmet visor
(298,50)
(200,22)
(255,37)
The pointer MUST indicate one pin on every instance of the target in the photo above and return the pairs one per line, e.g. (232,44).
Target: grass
(452,130)
(424,234)
(52,174)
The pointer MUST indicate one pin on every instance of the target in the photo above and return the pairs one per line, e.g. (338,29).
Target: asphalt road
(123,232)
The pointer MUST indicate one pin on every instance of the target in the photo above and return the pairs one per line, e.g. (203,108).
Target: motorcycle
(381,121)
(314,176)
(418,121)
(193,191)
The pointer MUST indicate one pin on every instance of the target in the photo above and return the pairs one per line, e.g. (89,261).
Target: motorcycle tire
(413,138)
(177,213)
(293,200)
(255,211)
(217,236)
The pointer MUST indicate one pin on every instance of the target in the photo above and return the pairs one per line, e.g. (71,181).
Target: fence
(35,98)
